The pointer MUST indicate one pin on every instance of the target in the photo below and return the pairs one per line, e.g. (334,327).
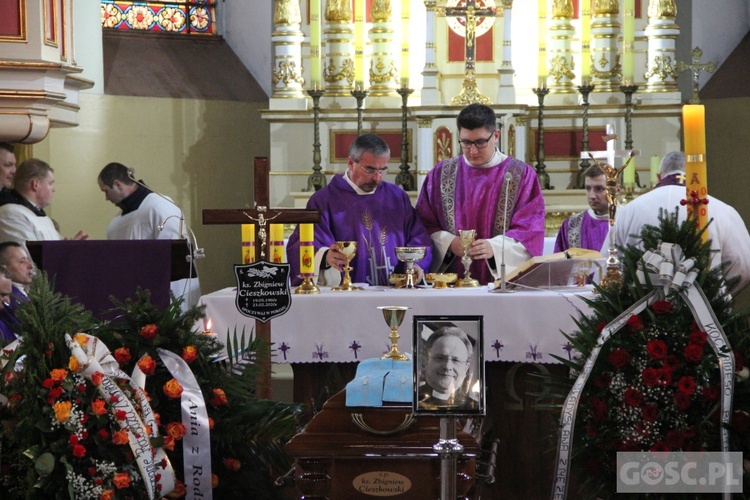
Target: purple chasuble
(457,196)
(582,231)
(378,222)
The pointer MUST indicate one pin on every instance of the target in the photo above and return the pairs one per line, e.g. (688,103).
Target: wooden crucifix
(470,12)
(696,67)
(259,216)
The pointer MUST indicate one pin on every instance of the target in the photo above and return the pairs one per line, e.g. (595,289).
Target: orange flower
(176,430)
(121,480)
(219,398)
(168,443)
(149,331)
(122,355)
(232,464)
(58,374)
(210,423)
(173,389)
(107,495)
(97,378)
(214,480)
(62,410)
(120,437)
(99,406)
(81,339)
(147,365)
(73,364)
(189,354)
(179,490)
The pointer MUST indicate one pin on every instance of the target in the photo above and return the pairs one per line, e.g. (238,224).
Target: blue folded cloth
(378,380)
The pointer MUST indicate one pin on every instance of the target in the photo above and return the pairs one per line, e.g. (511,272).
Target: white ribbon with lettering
(97,358)
(196,445)
(656,269)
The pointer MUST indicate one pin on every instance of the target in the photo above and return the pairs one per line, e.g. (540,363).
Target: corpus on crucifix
(470,13)
(696,67)
(260,216)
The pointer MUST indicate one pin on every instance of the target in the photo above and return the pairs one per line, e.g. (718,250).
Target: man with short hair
(23,218)
(588,229)
(359,206)
(469,192)
(145,215)
(7,170)
(16,264)
(7,319)
(730,240)
(449,354)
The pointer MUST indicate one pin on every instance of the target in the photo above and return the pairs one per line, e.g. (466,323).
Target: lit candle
(359,44)
(585,41)
(694,125)
(315,45)
(655,164)
(405,44)
(277,243)
(628,175)
(628,40)
(542,43)
(248,243)
(306,250)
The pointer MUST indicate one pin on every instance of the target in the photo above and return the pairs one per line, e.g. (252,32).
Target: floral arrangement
(82,415)
(656,383)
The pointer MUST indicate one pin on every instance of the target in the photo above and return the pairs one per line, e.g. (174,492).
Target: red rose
(79,451)
(649,413)
(55,392)
(148,332)
(601,326)
(661,307)
(122,355)
(619,357)
(103,434)
(97,378)
(232,464)
(657,349)
(665,377)
(694,352)
(635,323)
(674,439)
(633,397)
(73,439)
(47,383)
(671,363)
(660,446)
(650,376)
(686,385)
(682,401)
(698,337)
(598,409)
(120,415)
(710,393)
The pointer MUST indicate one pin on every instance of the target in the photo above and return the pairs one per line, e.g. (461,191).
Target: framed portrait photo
(448,365)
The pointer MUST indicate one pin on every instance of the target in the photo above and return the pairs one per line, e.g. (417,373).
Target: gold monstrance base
(308,287)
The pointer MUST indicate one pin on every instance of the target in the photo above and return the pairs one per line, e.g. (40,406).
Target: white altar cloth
(344,327)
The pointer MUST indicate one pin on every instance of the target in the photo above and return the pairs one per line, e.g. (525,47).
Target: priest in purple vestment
(588,229)
(498,196)
(359,206)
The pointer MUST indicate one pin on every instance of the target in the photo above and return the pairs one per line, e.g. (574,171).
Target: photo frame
(448,376)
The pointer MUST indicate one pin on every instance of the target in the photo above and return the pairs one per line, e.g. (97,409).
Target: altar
(324,336)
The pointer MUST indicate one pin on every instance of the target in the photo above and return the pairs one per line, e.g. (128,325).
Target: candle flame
(207,325)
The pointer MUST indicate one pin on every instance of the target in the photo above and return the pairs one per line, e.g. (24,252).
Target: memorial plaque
(263,290)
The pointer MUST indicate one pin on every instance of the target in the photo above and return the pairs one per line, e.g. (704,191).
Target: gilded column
(606,67)
(662,34)
(383,72)
(506,93)
(287,43)
(559,55)
(430,93)
(338,66)
(425,150)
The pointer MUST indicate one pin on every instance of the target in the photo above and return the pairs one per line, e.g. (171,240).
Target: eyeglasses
(373,171)
(479,143)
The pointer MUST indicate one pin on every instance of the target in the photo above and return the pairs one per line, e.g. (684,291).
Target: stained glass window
(189,17)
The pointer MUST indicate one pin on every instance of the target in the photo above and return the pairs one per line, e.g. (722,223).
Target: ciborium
(467,238)
(349,249)
(441,281)
(410,255)
(394,316)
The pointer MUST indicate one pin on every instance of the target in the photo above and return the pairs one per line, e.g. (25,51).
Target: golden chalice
(467,238)
(394,316)
(410,255)
(349,249)
(440,280)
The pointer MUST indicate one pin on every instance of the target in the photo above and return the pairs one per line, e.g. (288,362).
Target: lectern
(91,271)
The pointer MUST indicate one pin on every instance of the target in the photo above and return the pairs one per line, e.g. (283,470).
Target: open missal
(557,269)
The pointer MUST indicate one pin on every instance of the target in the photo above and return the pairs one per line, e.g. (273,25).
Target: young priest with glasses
(483,189)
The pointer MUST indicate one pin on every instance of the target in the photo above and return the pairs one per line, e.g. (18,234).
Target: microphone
(503,287)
